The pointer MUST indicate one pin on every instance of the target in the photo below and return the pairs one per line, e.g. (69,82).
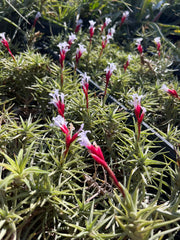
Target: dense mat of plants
(72,165)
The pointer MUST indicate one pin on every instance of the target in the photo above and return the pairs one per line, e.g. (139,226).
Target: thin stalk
(62,78)
(89,50)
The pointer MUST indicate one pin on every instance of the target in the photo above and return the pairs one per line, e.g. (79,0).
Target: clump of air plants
(62,192)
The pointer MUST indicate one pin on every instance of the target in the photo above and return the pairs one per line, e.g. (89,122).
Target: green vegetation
(118,182)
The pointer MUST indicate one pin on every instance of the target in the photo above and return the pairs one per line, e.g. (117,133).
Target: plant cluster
(72,164)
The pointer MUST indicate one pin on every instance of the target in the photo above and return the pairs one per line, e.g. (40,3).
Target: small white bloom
(138,41)
(129,58)
(92,23)
(81,49)
(81,128)
(110,68)
(111,31)
(107,21)
(63,47)
(59,121)
(85,78)
(143,110)
(38,15)
(108,37)
(136,99)
(79,22)
(126,14)
(83,139)
(2,35)
(164,88)
(72,37)
(157,40)
(55,97)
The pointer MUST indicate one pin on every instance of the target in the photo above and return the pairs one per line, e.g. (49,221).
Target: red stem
(112,175)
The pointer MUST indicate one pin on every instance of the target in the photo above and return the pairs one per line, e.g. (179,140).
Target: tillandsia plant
(139,219)
(105,41)
(72,38)
(51,186)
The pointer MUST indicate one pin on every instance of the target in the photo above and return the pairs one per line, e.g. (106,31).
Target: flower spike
(78,25)
(172,92)
(79,52)
(91,28)
(127,63)
(106,23)
(157,41)
(63,49)
(38,15)
(85,85)
(6,44)
(72,38)
(138,110)
(59,104)
(124,17)
(111,31)
(98,156)
(109,70)
(60,122)
(139,46)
